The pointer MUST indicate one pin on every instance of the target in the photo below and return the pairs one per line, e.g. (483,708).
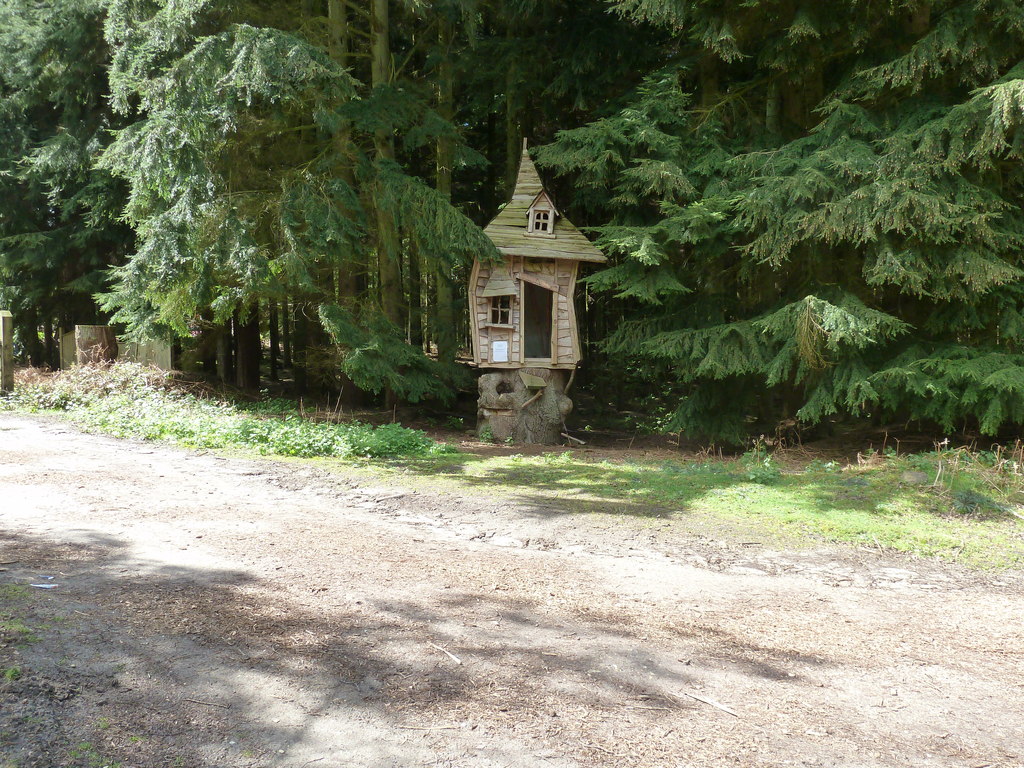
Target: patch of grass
(271,406)
(128,400)
(86,754)
(10,673)
(14,593)
(13,628)
(967,516)
(760,467)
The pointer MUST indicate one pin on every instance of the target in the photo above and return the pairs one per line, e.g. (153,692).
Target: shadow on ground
(180,666)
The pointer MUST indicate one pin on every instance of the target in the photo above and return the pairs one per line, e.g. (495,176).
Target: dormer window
(541,221)
(540,218)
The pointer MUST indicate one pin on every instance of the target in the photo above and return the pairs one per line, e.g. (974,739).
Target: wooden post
(6,352)
(95,344)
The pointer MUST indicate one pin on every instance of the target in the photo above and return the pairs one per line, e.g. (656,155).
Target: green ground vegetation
(14,630)
(955,504)
(129,400)
(86,754)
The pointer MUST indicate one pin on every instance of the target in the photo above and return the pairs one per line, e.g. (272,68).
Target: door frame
(553,334)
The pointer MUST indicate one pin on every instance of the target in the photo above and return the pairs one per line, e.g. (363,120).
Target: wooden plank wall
(564,349)
(565,335)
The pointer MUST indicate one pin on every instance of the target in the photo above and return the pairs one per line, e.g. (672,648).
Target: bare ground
(227,612)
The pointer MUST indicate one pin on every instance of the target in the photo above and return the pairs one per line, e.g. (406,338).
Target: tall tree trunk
(286,334)
(414,280)
(772,123)
(300,346)
(205,354)
(495,189)
(512,127)
(50,351)
(225,354)
(919,20)
(710,90)
(338,31)
(247,338)
(346,276)
(389,264)
(803,90)
(445,332)
(28,334)
(388,257)
(275,340)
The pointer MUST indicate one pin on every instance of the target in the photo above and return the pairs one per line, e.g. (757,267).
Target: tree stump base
(509,410)
(95,344)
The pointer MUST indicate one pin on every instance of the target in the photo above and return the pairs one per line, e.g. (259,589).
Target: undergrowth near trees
(958,505)
(133,401)
(954,503)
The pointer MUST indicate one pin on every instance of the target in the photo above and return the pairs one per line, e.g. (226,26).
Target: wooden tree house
(522,317)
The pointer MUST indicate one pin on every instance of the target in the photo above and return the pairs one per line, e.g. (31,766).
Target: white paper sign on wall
(499,351)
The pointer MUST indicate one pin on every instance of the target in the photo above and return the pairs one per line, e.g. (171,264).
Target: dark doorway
(537,321)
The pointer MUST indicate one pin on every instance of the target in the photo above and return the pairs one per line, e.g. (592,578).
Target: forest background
(812,210)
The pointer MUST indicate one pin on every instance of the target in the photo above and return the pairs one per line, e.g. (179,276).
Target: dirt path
(225,612)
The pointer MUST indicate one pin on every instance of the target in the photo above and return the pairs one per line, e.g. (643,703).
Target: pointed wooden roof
(507,230)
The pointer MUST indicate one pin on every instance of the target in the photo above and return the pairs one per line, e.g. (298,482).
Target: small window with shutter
(501,310)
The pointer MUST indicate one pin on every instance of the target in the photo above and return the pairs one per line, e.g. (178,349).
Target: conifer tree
(59,227)
(815,211)
(260,168)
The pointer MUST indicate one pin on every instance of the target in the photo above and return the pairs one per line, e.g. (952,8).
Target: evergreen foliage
(813,211)
(817,212)
(59,224)
(254,177)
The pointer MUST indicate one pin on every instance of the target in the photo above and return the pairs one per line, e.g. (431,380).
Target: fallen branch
(427,728)
(208,703)
(539,393)
(711,702)
(606,751)
(450,655)
(567,436)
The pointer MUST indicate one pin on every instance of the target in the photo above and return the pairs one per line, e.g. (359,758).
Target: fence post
(6,351)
